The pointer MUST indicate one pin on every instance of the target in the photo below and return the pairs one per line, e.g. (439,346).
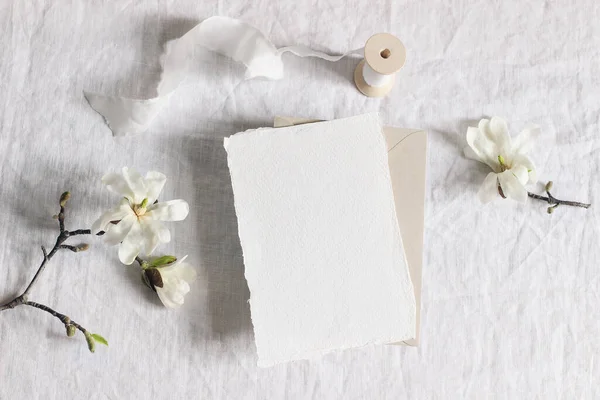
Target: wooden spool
(385,55)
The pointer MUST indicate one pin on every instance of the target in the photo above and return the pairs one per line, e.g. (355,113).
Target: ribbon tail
(126,116)
(303,51)
(230,37)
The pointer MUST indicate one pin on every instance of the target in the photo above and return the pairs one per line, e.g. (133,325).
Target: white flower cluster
(136,225)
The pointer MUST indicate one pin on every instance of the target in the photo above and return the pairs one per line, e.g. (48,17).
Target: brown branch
(63,235)
(63,318)
(84,232)
(553,201)
(39,271)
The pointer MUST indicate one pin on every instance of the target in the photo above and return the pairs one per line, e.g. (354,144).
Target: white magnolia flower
(171,282)
(136,222)
(491,144)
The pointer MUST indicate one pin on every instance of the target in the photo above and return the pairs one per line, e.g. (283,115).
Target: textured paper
(407,160)
(322,249)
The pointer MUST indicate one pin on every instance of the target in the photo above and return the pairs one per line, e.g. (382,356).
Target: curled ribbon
(227,36)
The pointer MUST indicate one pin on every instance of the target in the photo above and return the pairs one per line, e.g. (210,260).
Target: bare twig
(39,271)
(83,232)
(63,235)
(553,201)
(63,318)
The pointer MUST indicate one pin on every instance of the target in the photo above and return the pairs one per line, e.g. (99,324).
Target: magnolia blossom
(171,282)
(491,144)
(136,222)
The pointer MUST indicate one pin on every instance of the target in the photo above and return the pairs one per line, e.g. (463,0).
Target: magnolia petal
(511,187)
(116,183)
(485,150)
(499,131)
(176,283)
(131,246)
(173,210)
(470,153)
(155,181)
(523,143)
(533,175)
(520,159)
(136,183)
(102,221)
(484,126)
(498,127)
(116,233)
(187,272)
(169,298)
(166,299)
(115,214)
(489,189)
(173,292)
(486,132)
(151,231)
(521,173)
(164,235)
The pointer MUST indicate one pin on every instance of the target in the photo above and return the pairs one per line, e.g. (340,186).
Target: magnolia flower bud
(549,186)
(64,198)
(90,342)
(175,281)
(550,210)
(71,330)
(82,247)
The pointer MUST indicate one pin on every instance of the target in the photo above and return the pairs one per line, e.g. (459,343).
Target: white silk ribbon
(229,37)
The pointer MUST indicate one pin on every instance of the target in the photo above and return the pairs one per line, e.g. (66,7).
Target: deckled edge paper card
(322,249)
(407,159)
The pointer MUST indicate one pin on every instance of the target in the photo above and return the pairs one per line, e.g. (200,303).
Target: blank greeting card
(322,249)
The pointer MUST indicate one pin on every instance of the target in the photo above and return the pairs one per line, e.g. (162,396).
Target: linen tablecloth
(510,294)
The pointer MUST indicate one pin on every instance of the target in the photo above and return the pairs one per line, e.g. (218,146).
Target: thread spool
(384,56)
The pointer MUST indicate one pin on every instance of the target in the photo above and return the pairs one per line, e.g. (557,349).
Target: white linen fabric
(510,294)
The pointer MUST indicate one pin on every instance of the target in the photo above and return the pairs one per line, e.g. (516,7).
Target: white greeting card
(322,249)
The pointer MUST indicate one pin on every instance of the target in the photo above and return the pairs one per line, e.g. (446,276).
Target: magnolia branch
(553,201)
(23,299)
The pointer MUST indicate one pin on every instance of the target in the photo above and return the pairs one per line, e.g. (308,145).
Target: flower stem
(63,318)
(553,201)
(140,261)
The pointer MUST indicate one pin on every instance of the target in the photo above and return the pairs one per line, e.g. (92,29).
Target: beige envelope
(407,158)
